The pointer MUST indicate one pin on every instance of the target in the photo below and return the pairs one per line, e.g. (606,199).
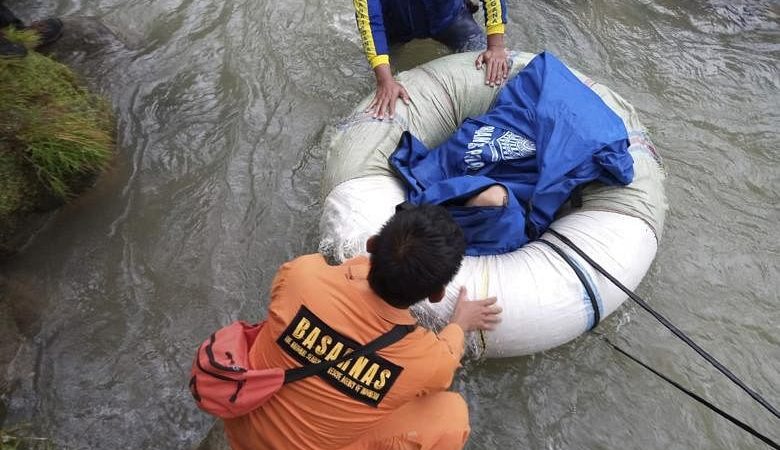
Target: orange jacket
(318,311)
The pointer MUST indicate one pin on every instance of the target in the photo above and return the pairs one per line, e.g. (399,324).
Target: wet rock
(87,46)
(10,340)
(93,52)
(23,302)
(14,238)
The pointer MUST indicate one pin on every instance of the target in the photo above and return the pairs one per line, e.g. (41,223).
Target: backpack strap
(389,338)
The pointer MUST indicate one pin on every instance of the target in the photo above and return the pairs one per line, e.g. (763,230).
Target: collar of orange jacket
(357,269)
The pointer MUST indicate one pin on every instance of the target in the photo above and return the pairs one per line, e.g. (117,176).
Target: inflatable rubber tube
(544,302)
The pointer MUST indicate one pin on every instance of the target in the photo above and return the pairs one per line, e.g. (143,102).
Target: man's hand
(476,314)
(495,61)
(387,92)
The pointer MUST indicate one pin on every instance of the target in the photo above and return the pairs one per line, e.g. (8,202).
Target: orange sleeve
(453,337)
(287,285)
(280,307)
(285,300)
(449,349)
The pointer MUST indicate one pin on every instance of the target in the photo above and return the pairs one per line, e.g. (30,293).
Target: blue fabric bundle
(546,134)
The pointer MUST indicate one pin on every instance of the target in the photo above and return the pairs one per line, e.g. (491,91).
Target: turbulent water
(220,106)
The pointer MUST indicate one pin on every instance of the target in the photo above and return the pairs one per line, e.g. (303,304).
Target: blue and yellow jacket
(382,21)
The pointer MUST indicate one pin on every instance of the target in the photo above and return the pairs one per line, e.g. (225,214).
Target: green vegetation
(54,135)
(19,438)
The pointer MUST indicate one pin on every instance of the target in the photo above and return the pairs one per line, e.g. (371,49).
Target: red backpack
(223,384)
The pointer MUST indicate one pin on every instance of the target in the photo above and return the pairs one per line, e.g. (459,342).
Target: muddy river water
(220,106)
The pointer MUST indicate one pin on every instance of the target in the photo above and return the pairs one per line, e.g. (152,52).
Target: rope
(676,331)
(701,400)
(485,282)
(583,280)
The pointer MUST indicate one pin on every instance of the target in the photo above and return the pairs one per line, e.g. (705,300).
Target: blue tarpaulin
(546,134)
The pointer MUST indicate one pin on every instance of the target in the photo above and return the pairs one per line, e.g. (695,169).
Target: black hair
(417,252)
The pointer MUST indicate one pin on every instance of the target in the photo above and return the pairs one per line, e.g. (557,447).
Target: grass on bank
(54,134)
(20,438)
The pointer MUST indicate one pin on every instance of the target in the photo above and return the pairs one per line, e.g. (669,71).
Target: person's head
(416,253)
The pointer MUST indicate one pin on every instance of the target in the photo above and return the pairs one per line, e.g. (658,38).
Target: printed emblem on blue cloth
(515,146)
(484,148)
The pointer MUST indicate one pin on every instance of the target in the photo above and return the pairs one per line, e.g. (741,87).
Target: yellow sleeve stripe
(364,27)
(493,14)
(495,29)
(378,60)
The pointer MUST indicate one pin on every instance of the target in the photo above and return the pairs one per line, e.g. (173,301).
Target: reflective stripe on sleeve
(495,16)
(378,60)
(368,15)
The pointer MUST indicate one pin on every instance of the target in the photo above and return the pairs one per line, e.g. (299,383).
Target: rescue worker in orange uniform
(396,398)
